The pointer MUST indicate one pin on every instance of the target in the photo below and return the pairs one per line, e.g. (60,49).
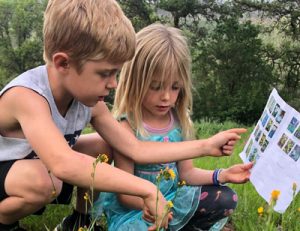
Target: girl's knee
(228,199)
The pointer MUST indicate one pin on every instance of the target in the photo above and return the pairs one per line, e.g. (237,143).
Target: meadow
(252,213)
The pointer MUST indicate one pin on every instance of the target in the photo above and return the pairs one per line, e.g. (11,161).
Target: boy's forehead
(105,65)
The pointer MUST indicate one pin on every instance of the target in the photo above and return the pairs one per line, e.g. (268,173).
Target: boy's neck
(62,99)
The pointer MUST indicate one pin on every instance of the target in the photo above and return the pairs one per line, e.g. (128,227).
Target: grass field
(245,218)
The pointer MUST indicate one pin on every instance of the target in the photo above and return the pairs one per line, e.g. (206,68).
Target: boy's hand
(150,210)
(223,142)
(237,174)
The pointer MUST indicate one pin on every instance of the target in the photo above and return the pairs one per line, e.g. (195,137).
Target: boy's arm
(32,112)
(153,152)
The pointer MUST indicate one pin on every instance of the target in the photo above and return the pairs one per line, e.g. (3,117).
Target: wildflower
(82,228)
(260,211)
(170,204)
(294,187)
(53,193)
(275,194)
(181,183)
(299,209)
(168,174)
(172,174)
(103,158)
(86,196)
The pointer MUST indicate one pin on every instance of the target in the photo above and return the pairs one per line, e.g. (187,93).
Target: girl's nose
(165,94)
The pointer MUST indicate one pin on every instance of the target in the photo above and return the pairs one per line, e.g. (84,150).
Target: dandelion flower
(170,204)
(86,196)
(294,187)
(181,183)
(53,193)
(260,210)
(299,209)
(172,174)
(275,194)
(104,158)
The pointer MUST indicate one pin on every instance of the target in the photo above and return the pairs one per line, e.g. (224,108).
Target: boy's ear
(61,61)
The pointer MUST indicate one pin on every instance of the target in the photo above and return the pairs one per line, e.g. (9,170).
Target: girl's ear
(61,61)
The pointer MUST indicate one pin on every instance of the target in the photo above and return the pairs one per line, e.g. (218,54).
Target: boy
(44,110)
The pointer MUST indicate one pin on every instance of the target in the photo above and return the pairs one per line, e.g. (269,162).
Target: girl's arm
(238,173)
(127,165)
(126,143)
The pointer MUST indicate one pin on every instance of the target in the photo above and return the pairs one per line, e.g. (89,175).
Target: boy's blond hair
(88,30)
(161,52)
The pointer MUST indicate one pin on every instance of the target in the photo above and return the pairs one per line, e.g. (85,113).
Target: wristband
(215,177)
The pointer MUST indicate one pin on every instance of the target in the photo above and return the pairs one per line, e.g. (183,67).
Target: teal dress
(186,202)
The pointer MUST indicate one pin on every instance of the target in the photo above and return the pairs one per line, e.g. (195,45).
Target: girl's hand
(223,142)
(238,174)
(150,209)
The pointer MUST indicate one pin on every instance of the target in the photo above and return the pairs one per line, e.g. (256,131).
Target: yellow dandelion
(86,196)
(294,187)
(260,210)
(181,183)
(298,209)
(81,229)
(104,158)
(53,193)
(275,194)
(172,174)
(170,204)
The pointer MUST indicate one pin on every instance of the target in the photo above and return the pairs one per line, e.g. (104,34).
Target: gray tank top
(77,116)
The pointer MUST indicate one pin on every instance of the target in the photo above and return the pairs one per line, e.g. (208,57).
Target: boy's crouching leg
(29,187)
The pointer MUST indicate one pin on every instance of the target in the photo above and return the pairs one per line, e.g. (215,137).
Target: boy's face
(94,82)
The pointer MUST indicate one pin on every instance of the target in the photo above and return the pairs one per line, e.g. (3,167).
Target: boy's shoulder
(35,79)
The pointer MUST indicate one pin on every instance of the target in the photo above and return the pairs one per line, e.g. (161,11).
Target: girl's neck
(160,129)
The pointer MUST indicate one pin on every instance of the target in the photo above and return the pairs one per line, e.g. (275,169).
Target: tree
(232,79)
(21,44)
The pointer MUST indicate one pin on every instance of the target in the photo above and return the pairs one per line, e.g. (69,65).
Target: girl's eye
(155,86)
(176,87)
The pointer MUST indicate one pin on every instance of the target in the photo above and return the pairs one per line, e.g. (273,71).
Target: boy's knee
(44,192)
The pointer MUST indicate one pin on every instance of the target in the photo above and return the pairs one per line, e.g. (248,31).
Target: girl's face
(161,97)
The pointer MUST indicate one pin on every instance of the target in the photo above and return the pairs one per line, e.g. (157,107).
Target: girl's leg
(216,203)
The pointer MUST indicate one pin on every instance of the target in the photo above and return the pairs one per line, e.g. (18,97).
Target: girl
(153,100)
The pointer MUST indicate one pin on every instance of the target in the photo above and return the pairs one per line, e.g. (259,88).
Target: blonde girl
(154,101)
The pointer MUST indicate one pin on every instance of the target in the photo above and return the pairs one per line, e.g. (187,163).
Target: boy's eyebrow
(109,69)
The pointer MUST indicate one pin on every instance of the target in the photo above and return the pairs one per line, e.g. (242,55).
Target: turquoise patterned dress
(186,201)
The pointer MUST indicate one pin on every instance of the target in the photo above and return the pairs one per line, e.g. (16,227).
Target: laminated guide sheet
(274,147)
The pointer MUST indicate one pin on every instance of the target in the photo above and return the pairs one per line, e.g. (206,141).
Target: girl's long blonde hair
(161,51)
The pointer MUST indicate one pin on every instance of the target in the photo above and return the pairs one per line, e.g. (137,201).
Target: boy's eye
(105,74)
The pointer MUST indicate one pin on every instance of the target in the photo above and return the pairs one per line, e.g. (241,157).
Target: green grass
(245,217)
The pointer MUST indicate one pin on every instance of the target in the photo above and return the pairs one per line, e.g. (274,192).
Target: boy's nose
(112,84)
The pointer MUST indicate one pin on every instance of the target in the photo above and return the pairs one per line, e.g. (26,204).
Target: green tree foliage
(232,80)
(141,12)
(20,36)
(284,19)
